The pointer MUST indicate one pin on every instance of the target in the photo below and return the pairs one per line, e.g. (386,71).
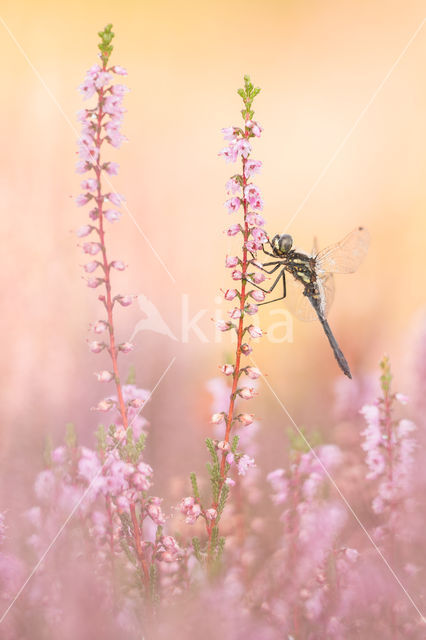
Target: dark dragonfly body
(313,276)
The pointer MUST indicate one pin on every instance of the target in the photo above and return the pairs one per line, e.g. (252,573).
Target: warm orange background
(318,64)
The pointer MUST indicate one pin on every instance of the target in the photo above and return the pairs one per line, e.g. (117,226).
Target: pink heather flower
(44,486)
(230,294)
(59,455)
(87,88)
(156,514)
(91,266)
(252,167)
(93,283)
(257,295)
(371,414)
(227,369)
(170,544)
(242,147)
(82,199)
(119,89)
(232,186)
(84,231)
(230,458)
(94,214)
(252,194)
(233,204)
(82,166)
(223,445)
(122,503)
(401,398)
(251,309)
(246,349)
(115,198)
(112,105)
(136,403)
(228,153)
(246,419)
(244,463)
(90,184)
(255,127)
(121,71)
(111,168)
(223,326)
(96,347)
(258,278)
(104,376)
(233,229)
(126,347)
(229,132)
(254,331)
(118,264)
(351,554)
(92,248)
(211,514)
(235,313)
(100,326)
(253,372)
(236,275)
(140,481)
(217,418)
(255,219)
(104,405)
(112,215)
(115,138)
(125,301)
(190,509)
(259,236)
(231,261)
(247,393)
(405,427)
(102,79)
(88,465)
(375,463)
(230,482)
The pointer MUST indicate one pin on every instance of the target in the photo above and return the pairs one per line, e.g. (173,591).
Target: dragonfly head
(281,243)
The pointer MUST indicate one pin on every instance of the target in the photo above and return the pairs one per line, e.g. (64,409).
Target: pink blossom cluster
(244,193)
(389,450)
(311,528)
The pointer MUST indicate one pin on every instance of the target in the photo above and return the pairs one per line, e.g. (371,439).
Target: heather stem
(108,302)
(237,367)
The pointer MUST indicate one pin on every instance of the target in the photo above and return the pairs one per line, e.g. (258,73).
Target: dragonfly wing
(344,256)
(300,305)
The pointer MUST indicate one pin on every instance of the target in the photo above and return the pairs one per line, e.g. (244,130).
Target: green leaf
(194,485)
(70,436)
(196,545)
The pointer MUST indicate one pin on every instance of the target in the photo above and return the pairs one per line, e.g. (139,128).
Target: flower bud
(227,369)
(104,376)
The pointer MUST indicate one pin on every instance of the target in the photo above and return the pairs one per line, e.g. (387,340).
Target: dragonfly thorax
(281,244)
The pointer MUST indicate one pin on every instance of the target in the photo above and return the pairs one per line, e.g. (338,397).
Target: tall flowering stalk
(389,448)
(101,125)
(125,478)
(245,198)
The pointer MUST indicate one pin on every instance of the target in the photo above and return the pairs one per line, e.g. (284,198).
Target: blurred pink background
(318,65)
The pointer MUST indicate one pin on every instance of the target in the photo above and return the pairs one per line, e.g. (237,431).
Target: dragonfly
(312,281)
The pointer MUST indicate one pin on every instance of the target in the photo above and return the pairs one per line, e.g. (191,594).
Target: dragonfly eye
(285,242)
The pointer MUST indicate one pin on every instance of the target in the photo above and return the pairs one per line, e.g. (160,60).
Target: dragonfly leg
(282,274)
(270,288)
(268,264)
(269,253)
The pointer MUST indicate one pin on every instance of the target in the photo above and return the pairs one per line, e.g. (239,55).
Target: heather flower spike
(121,478)
(225,457)
(98,123)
